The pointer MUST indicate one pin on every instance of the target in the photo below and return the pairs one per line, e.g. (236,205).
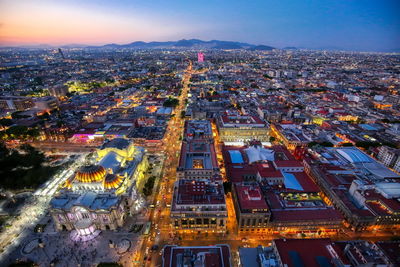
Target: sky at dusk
(364,25)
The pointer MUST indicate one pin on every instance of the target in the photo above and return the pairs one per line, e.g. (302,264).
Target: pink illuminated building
(200,57)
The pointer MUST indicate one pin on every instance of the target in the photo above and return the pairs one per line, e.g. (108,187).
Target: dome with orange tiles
(90,174)
(112,181)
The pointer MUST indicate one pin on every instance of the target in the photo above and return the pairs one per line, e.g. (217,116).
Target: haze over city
(369,25)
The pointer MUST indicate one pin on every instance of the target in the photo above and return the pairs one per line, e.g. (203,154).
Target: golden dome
(112,181)
(90,174)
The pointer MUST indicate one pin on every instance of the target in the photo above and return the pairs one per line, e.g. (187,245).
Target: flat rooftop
(199,192)
(198,129)
(309,252)
(250,198)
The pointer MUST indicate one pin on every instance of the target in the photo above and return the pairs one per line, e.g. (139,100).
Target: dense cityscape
(115,156)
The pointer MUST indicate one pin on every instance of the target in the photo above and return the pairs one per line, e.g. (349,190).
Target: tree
(17,115)
(17,131)
(171,102)
(6,122)
(23,168)
(312,144)
(227,187)
(347,144)
(148,186)
(327,144)
(109,80)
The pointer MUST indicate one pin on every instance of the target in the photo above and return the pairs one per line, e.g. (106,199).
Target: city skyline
(342,25)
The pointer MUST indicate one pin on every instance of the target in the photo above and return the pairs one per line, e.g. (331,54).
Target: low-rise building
(198,160)
(216,256)
(364,190)
(308,252)
(290,135)
(199,205)
(251,209)
(390,157)
(242,128)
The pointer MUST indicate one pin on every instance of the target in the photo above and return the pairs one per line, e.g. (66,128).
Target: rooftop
(298,252)
(199,192)
(198,154)
(215,256)
(250,198)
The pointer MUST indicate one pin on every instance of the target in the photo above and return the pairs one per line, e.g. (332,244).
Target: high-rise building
(200,57)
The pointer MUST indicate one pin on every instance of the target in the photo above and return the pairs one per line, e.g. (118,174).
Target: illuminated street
(159,216)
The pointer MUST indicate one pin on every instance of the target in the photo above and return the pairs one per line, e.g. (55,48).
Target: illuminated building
(198,160)
(382,105)
(100,196)
(252,212)
(237,128)
(277,192)
(390,157)
(15,103)
(346,117)
(199,205)
(362,189)
(290,135)
(198,129)
(200,57)
(46,103)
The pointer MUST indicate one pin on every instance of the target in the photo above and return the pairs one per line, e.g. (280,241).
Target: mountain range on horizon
(183,43)
(189,43)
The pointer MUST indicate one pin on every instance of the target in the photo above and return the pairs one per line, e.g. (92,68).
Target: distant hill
(190,43)
(290,48)
(262,48)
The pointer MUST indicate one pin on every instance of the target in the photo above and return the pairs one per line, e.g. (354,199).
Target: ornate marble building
(100,195)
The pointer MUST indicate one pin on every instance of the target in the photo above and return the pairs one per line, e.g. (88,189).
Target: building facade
(238,128)
(102,193)
(199,206)
(252,212)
